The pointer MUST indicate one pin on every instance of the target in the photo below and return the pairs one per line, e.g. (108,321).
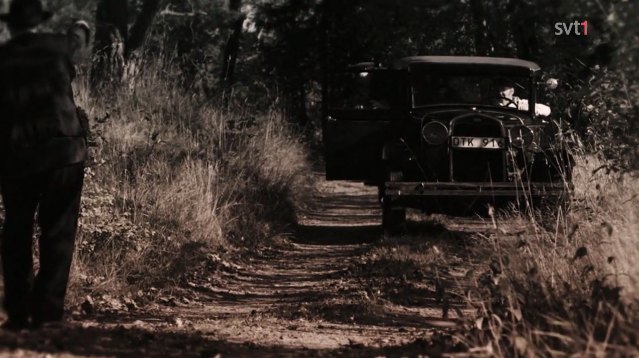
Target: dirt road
(322,290)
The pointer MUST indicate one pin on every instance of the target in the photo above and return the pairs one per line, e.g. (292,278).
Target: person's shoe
(45,315)
(15,324)
(36,326)
(46,323)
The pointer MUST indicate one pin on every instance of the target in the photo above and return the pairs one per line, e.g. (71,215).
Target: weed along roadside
(566,284)
(164,192)
(324,179)
(196,240)
(526,284)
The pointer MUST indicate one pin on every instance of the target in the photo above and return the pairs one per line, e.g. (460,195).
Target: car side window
(363,90)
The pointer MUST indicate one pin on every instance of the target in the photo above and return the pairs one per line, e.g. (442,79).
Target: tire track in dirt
(304,296)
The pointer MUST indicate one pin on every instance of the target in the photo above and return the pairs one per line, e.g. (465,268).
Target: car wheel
(393,217)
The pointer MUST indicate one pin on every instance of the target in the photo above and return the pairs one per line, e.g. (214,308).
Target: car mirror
(552,83)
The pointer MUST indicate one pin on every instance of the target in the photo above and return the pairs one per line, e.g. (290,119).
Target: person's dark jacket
(39,125)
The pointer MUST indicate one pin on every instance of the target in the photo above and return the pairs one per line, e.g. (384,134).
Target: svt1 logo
(562,28)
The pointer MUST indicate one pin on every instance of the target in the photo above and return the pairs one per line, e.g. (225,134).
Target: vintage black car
(445,134)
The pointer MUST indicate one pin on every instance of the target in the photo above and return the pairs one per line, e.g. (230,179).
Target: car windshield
(429,88)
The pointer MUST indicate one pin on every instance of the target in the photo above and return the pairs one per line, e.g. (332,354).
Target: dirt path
(314,293)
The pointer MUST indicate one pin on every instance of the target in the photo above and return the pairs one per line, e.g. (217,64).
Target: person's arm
(79,35)
(540,109)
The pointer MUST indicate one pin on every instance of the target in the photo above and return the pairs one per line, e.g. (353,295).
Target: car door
(362,107)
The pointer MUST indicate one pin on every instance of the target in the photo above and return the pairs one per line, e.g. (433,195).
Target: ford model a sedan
(445,133)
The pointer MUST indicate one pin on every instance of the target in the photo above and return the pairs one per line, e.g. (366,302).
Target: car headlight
(435,133)
(521,136)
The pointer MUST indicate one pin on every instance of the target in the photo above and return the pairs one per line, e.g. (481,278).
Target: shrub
(569,287)
(173,177)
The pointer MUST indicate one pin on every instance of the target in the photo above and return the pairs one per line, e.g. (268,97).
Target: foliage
(569,286)
(192,35)
(532,285)
(170,180)
(174,173)
(287,47)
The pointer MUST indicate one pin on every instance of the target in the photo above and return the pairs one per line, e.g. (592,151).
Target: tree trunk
(142,25)
(295,103)
(231,49)
(524,30)
(111,31)
(497,28)
(113,45)
(113,13)
(324,47)
(302,114)
(480,28)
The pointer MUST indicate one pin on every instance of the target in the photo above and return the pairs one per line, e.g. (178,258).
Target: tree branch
(168,12)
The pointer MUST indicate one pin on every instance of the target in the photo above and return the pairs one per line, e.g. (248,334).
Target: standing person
(42,153)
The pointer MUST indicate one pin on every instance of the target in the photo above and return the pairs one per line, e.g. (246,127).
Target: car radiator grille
(477,165)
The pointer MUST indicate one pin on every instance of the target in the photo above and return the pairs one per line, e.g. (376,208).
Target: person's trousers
(55,194)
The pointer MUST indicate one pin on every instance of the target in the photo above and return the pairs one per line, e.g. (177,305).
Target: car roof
(364,66)
(468,61)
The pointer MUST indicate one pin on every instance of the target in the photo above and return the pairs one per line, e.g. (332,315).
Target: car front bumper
(488,190)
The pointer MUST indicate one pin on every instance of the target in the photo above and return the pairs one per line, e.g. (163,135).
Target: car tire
(393,217)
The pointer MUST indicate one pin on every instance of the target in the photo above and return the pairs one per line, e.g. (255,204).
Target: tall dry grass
(174,178)
(561,282)
(565,286)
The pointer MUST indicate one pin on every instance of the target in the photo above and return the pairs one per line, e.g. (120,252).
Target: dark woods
(258,54)
(115,45)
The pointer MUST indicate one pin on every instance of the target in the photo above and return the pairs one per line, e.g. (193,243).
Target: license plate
(478,142)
